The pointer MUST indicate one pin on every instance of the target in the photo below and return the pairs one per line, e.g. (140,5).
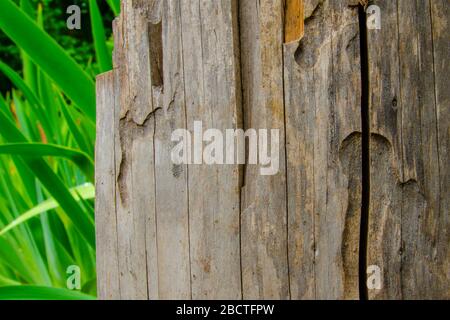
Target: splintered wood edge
(294,24)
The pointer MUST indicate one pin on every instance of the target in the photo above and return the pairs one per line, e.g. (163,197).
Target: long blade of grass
(80,139)
(40,293)
(102,52)
(49,56)
(4,281)
(115,6)
(29,69)
(3,104)
(53,184)
(23,118)
(19,83)
(23,239)
(28,149)
(55,267)
(11,256)
(81,192)
(29,94)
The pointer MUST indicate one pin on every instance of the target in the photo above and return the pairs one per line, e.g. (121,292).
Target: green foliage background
(78,43)
(47,136)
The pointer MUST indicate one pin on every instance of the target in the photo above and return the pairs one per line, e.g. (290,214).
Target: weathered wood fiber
(212,91)
(198,231)
(440,13)
(294,26)
(135,188)
(265,273)
(171,182)
(105,203)
(323,143)
(408,215)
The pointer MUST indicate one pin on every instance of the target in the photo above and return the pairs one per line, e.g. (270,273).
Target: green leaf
(49,56)
(82,141)
(28,149)
(115,6)
(19,83)
(29,94)
(29,69)
(8,282)
(102,52)
(40,293)
(11,256)
(81,192)
(53,184)
(3,104)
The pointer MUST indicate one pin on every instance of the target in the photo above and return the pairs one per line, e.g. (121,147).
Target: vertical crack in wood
(156,53)
(365,156)
(243,167)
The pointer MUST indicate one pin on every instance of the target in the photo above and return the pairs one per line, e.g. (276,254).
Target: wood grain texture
(134,153)
(440,13)
(407,224)
(212,90)
(105,203)
(263,216)
(171,182)
(294,26)
(198,231)
(323,139)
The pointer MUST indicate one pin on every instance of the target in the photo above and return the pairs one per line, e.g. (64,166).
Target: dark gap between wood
(365,154)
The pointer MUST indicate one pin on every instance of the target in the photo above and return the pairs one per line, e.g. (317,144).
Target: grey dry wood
(263,203)
(176,231)
(171,182)
(105,195)
(440,13)
(323,138)
(212,96)
(134,158)
(408,215)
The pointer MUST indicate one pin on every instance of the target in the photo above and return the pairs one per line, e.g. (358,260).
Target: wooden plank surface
(323,138)
(408,222)
(199,231)
(174,274)
(294,26)
(263,207)
(212,90)
(105,196)
(440,13)
(134,158)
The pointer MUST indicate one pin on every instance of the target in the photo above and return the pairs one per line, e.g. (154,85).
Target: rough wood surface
(294,26)
(408,215)
(200,231)
(134,125)
(212,91)
(323,141)
(171,182)
(265,271)
(105,203)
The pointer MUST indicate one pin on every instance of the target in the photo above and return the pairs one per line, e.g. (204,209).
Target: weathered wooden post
(409,104)
(362,173)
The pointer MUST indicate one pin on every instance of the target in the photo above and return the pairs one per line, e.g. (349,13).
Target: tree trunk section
(363,128)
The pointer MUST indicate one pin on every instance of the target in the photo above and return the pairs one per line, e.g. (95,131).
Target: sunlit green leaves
(40,293)
(49,56)
(47,136)
(86,192)
(98,32)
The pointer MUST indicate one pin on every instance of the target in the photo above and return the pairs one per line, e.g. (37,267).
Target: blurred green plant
(47,134)
(79,44)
